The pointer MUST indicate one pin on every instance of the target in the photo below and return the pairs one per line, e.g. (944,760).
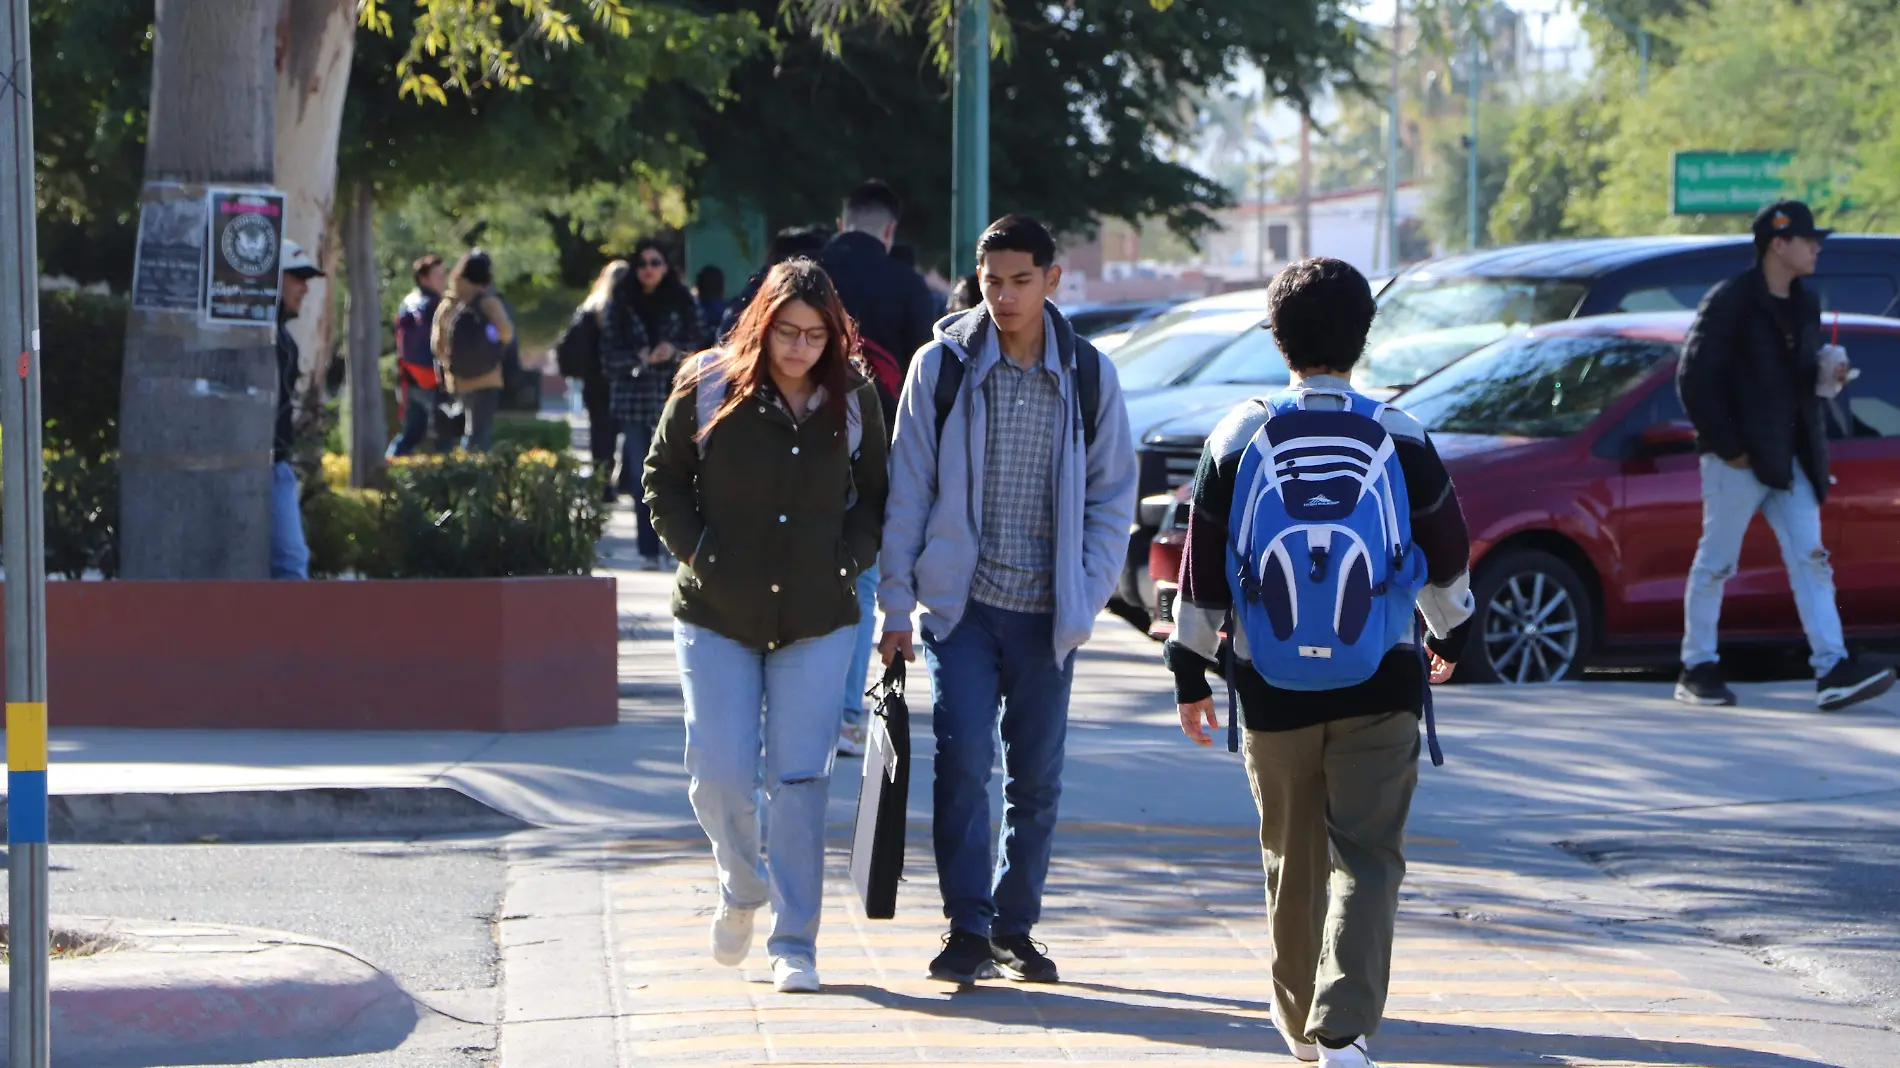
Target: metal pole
(1392,150)
(23,554)
(970,140)
(1642,46)
(1471,148)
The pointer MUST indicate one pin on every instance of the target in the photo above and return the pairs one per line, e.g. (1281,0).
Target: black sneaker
(1702,685)
(1850,683)
(1023,959)
(965,959)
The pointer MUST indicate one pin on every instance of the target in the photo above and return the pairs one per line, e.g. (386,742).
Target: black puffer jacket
(1747,392)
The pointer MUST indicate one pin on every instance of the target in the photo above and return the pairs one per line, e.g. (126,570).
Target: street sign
(1727,183)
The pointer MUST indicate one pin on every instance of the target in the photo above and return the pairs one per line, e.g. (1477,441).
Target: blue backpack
(1320,558)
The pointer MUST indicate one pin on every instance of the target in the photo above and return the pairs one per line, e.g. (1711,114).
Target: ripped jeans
(764,724)
(1730,498)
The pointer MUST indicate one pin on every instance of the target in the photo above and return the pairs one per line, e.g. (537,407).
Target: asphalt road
(422,911)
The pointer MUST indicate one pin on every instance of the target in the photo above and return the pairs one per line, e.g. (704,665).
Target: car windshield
(1156,358)
(1252,359)
(1425,323)
(1534,387)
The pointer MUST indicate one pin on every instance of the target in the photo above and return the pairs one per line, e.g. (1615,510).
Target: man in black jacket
(1750,379)
(888,298)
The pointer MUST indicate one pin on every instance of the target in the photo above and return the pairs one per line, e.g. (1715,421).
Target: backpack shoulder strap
(853,425)
(950,372)
(1088,388)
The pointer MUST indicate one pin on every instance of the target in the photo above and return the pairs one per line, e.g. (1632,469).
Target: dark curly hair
(1320,311)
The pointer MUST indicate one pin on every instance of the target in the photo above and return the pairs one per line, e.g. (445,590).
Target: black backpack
(578,352)
(1088,388)
(474,348)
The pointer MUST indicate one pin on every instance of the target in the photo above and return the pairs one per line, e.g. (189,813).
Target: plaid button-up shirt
(1016,556)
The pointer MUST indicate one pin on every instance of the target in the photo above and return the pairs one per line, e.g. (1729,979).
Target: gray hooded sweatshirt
(933,520)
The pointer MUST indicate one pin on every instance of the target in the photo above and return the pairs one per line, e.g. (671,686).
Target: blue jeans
(857,677)
(764,723)
(633,463)
(1730,498)
(479,407)
(418,410)
(997,659)
(289,553)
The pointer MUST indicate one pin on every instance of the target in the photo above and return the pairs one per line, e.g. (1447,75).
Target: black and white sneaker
(965,959)
(1702,686)
(1023,959)
(1850,683)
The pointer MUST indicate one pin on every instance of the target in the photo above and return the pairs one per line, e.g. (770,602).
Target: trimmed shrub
(531,433)
(508,512)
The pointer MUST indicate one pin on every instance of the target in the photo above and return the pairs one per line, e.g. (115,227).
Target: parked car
(1439,311)
(1104,318)
(1577,471)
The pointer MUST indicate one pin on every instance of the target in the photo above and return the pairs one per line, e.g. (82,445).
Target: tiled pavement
(1161,936)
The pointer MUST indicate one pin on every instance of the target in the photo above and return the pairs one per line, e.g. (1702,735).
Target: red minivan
(1577,471)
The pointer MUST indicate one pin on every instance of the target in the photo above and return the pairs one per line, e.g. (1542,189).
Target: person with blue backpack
(1322,525)
(1012,486)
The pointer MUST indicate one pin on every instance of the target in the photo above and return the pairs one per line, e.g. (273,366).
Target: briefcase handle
(891,685)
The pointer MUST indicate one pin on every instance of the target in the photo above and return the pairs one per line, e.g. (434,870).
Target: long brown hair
(745,363)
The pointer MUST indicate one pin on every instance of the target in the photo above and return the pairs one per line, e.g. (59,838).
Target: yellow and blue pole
(22,551)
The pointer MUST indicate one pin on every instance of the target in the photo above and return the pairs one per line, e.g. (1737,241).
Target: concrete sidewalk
(1512,951)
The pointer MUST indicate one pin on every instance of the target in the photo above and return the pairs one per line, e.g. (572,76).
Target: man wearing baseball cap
(1751,382)
(289,553)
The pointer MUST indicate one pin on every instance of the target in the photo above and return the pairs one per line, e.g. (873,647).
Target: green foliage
(529,433)
(1446,202)
(1081,111)
(82,341)
(1555,168)
(509,512)
(341,527)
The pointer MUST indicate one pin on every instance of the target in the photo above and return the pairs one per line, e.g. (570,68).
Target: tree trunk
(316,42)
(369,434)
(200,400)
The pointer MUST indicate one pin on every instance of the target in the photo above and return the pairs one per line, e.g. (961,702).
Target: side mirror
(1676,435)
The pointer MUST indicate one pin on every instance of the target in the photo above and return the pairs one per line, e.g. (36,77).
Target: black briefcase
(877,845)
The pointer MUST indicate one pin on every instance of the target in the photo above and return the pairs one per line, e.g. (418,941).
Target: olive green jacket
(774,523)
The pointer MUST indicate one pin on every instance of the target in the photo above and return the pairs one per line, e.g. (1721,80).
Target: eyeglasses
(789,336)
(652,263)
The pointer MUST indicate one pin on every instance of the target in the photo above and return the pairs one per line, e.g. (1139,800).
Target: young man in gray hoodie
(1012,487)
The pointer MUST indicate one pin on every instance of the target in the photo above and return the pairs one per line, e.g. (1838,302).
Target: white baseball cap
(298,262)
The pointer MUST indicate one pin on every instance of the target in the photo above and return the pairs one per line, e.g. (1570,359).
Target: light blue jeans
(289,553)
(1730,498)
(764,724)
(857,676)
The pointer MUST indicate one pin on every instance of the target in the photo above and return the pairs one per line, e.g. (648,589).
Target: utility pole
(1260,220)
(24,555)
(1306,187)
(970,138)
(1392,148)
(1472,88)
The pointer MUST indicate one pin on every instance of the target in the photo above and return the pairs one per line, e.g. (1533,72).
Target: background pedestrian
(416,376)
(578,354)
(652,323)
(472,334)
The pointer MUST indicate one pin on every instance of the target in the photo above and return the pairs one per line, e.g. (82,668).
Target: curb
(174,994)
(325,814)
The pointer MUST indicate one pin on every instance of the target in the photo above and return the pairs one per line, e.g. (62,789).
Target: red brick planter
(457,654)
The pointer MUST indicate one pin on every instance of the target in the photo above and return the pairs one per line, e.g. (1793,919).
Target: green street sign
(1726,183)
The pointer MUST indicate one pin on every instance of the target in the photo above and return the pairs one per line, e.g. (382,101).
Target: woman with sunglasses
(652,322)
(767,478)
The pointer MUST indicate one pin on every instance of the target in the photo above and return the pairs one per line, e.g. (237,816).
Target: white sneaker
(732,935)
(1353,1056)
(851,740)
(794,975)
(1302,1051)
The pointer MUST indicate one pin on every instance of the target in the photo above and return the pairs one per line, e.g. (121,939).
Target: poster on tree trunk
(247,230)
(168,265)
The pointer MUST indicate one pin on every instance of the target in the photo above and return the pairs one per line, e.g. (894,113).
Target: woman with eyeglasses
(652,323)
(767,478)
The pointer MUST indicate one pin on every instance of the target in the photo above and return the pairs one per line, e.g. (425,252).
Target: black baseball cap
(1787,218)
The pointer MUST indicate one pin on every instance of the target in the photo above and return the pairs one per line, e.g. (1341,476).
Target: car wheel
(1533,621)
(1136,616)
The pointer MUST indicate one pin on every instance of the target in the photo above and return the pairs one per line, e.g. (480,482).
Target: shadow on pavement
(1165,1020)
